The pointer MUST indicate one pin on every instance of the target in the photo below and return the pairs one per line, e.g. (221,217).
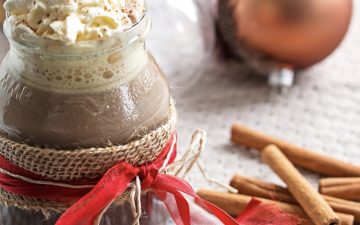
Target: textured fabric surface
(321,111)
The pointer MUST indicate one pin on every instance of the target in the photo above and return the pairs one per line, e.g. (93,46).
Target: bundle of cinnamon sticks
(334,204)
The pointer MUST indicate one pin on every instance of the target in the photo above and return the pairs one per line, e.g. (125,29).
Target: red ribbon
(177,195)
(112,185)
(117,179)
(258,213)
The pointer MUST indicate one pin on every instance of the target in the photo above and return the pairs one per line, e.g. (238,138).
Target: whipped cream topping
(71,21)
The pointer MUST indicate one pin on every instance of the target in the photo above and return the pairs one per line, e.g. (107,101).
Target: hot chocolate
(62,87)
(87,94)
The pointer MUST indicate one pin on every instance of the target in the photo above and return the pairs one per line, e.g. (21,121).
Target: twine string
(43,182)
(214,181)
(135,201)
(172,149)
(192,154)
(183,165)
(178,168)
(192,157)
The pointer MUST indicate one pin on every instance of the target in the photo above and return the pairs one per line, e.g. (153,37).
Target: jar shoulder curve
(84,118)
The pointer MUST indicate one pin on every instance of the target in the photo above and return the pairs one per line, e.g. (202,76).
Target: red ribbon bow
(117,179)
(91,202)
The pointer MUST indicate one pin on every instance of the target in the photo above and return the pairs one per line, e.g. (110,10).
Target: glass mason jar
(90,94)
(188,23)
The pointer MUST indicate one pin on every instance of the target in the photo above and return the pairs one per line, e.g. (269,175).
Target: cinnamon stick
(310,200)
(343,206)
(258,188)
(297,155)
(346,188)
(331,181)
(234,204)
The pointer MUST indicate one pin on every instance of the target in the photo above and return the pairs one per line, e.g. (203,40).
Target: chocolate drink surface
(65,93)
(74,119)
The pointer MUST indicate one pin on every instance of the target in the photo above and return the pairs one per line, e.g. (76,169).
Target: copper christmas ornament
(2,13)
(283,33)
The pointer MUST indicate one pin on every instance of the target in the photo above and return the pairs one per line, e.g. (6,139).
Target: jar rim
(117,42)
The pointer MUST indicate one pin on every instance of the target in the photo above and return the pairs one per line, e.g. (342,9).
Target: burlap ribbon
(64,166)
